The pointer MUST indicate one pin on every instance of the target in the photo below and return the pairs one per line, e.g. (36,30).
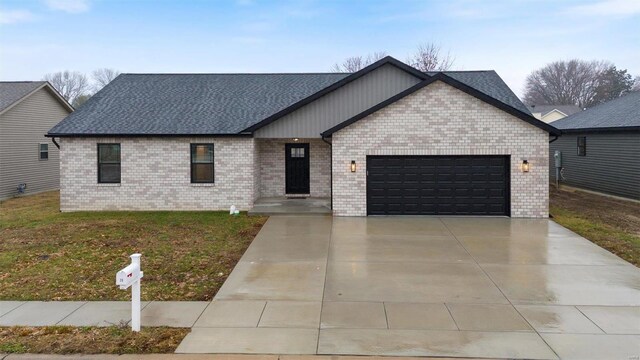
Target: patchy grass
(89,340)
(610,223)
(48,255)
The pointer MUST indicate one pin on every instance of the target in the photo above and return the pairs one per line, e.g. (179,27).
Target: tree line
(427,57)
(578,82)
(77,87)
(565,82)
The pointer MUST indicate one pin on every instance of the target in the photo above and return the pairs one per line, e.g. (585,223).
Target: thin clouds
(623,8)
(16,16)
(70,6)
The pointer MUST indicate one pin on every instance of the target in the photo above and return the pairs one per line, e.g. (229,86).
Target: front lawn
(48,255)
(610,223)
(89,340)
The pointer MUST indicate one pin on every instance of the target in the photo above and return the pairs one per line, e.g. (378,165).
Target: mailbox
(127,276)
(130,276)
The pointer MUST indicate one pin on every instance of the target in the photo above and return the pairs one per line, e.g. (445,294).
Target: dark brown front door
(297,168)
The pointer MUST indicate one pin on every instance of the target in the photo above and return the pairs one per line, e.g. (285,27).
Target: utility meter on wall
(557,156)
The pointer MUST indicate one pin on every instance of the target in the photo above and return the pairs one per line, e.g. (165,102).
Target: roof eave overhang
(458,85)
(602,129)
(102,135)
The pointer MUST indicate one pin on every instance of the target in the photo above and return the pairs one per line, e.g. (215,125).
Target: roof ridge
(22,81)
(461,71)
(271,73)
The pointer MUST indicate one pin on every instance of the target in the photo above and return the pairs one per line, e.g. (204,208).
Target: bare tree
(636,84)
(566,82)
(430,57)
(355,63)
(102,77)
(70,84)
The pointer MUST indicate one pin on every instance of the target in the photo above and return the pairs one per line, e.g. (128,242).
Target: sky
(513,37)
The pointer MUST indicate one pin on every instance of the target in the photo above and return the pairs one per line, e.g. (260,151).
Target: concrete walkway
(99,313)
(420,286)
(206,357)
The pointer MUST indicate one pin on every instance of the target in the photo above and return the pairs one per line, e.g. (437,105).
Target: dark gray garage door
(438,185)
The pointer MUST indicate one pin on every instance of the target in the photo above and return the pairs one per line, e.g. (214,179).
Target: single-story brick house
(388,139)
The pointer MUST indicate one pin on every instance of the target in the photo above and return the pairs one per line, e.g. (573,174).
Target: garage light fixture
(525,166)
(296,139)
(353,166)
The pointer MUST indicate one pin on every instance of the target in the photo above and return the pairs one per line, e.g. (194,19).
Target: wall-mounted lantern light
(525,166)
(353,166)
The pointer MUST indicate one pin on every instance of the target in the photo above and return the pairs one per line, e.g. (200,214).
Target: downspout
(330,167)
(555,137)
(55,143)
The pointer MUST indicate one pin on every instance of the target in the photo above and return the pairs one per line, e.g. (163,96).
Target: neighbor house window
(582,146)
(202,163)
(44,151)
(109,163)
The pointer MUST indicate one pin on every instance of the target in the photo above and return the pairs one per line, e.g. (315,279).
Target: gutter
(55,142)
(80,135)
(555,137)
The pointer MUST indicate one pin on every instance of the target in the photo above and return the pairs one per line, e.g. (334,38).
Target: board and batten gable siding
(22,129)
(612,163)
(341,104)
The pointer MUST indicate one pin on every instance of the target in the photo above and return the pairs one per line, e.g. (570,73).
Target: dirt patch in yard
(89,340)
(611,223)
(49,255)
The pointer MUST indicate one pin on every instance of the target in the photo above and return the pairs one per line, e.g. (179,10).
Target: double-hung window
(43,150)
(202,168)
(109,163)
(582,146)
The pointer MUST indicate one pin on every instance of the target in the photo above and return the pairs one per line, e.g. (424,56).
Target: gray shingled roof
(490,83)
(215,104)
(544,109)
(12,91)
(167,104)
(620,112)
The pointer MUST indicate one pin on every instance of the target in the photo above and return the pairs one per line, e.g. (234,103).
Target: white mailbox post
(130,276)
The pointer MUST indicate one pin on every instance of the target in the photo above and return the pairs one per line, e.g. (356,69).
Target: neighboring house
(600,148)
(28,109)
(387,139)
(550,113)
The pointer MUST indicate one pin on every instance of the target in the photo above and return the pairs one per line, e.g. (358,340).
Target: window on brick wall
(109,163)
(582,146)
(202,167)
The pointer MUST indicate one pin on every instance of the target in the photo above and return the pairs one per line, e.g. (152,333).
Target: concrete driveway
(422,286)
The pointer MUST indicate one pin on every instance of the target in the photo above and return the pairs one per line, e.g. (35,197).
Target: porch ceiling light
(525,166)
(353,166)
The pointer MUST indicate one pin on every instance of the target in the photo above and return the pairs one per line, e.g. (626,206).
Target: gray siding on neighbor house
(340,105)
(22,129)
(612,163)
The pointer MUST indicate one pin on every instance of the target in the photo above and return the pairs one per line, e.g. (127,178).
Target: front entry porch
(281,205)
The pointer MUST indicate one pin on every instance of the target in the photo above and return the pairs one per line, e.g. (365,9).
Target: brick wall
(156,175)
(441,120)
(272,167)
